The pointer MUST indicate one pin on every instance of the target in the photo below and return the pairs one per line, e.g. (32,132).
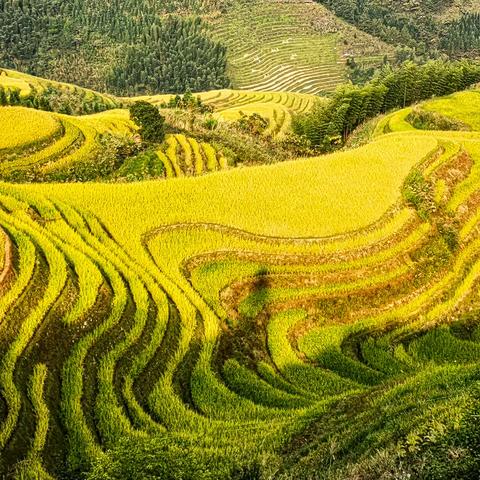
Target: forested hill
(427,26)
(123,46)
(149,46)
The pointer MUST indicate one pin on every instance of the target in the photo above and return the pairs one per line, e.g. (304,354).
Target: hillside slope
(147,47)
(291,45)
(271,322)
(423,25)
(125,47)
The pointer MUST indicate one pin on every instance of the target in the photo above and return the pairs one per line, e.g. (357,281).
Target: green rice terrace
(291,45)
(316,318)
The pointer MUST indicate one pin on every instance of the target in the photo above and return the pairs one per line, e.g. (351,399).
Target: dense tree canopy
(177,57)
(417,24)
(329,125)
(124,46)
(148,118)
(463,35)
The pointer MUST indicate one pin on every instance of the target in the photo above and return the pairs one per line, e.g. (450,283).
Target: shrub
(151,123)
(188,102)
(454,455)
(210,123)
(253,124)
(417,191)
(425,120)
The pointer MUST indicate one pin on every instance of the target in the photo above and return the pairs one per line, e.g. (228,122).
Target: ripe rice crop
(22,128)
(234,313)
(276,107)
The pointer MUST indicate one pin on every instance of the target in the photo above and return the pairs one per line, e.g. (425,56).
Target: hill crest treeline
(329,124)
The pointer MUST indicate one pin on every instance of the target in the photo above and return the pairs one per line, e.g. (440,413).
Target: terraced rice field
(290,45)
(53,142)
(234,309)
(276,107)
(27,84)
(463,106)
(22,127)
(179,156)
(42,145)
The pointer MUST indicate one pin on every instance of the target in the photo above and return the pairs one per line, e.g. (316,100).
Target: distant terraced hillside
(292,45)
(150,46)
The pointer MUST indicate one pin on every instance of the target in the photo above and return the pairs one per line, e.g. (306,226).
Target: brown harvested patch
(456,169)
(345,307)
(469,208)
(7,271)
(232,295)
(453,172)
(310,303)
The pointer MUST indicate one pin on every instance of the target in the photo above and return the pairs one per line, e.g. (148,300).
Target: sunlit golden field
(243,318)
